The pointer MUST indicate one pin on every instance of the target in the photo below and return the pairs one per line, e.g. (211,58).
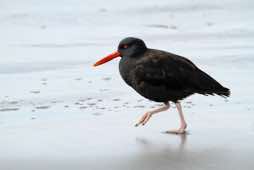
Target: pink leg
(145,118)
(183,124)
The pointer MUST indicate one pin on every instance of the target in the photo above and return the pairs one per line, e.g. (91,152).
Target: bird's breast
(126,65)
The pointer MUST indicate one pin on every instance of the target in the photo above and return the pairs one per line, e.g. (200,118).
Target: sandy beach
(58,112)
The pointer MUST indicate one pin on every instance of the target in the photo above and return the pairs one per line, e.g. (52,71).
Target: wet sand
(57,112)
(112,142)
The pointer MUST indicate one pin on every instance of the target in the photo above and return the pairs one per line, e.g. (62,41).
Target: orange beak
(107,58)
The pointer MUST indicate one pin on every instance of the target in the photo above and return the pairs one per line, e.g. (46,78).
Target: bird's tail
(209,86)
(223,91)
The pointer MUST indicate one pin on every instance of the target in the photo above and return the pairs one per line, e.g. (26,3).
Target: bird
(162,77)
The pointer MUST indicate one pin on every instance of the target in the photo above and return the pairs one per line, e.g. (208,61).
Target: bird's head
(128,47)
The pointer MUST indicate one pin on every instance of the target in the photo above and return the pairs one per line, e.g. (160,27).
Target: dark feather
(163,76)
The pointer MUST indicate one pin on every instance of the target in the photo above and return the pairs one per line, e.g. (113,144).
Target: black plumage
(162,76)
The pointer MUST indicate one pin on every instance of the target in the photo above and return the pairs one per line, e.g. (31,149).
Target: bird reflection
(169,145)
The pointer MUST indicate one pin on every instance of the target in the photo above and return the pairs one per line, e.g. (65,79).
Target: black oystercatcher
(162,77)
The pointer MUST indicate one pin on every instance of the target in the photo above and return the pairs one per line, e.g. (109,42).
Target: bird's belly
(159,93)
(154,93)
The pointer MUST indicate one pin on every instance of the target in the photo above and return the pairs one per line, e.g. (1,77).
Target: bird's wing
(162,68)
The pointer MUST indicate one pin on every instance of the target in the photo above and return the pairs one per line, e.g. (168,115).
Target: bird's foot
(181,130)
(144,119)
